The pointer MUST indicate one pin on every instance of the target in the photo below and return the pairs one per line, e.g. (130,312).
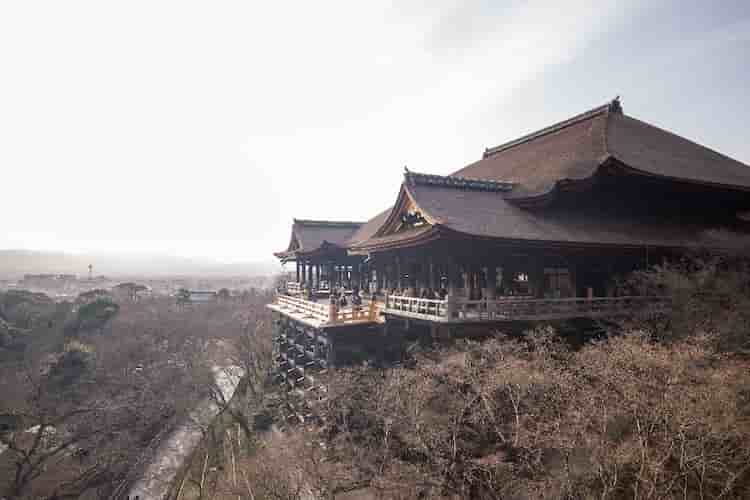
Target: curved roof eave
(612,164)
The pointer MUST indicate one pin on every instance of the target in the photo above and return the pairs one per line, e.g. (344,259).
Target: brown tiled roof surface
(400,237)
(658,152)
(368,229)
(312,234)
(575,148)
(487,214)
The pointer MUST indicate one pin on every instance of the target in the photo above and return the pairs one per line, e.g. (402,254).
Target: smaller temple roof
(309,236)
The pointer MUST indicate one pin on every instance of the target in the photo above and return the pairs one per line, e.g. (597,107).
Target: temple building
(539,228)
(319,249)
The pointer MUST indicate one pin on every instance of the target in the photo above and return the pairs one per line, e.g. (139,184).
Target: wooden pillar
(331,354)
(509,273)
(309,273)
(441,273)
(536,277)
(356,282)
(296,261)
(491,282)
(431,273)
(453,274)
(573,273)
(317,275)
(399,274)
(414,281)
(466,280)
(333,310)
(477,281)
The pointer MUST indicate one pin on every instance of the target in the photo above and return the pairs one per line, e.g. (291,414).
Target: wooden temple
(319,250)
(539,228)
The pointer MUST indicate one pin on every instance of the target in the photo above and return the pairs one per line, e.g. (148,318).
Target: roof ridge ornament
(452,181)
(615,106)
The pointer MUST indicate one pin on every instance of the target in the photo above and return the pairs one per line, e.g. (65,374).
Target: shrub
(93,316)
(76,360)
(532,419)
(710,296)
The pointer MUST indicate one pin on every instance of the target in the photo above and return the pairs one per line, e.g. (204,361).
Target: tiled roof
(575,148)
(488,215)
(368,229)
(310,235)
(484,198)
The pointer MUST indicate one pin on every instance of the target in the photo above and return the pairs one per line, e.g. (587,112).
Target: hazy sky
(201,128)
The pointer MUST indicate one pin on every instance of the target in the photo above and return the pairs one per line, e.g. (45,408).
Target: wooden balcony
(461,310)
(323,314)
(296,289)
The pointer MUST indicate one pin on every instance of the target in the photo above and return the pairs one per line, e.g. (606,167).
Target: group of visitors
(338,297)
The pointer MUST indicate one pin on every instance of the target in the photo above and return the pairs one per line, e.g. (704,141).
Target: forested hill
(15,263)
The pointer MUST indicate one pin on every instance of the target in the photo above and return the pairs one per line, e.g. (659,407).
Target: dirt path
(159,475)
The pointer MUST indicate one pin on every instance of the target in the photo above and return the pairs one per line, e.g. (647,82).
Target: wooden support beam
(491,281)
(414,279)
(399,274)
(431,273)
(536,276)
(509,273)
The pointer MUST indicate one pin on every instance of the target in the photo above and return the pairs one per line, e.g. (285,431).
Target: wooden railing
(293,288)
(509,308)
(326,313)
(416,307)
(365,312)
(305,308)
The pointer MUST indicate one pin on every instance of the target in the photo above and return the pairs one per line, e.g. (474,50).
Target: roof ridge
(455,181)
(611,107)
(330,223)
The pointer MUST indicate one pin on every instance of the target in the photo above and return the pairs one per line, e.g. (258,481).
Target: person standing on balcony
(356,301)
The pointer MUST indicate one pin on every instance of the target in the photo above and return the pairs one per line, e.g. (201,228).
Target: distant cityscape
(70,286)
(65,276)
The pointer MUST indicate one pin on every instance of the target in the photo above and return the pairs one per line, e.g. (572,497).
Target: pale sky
(201,129)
